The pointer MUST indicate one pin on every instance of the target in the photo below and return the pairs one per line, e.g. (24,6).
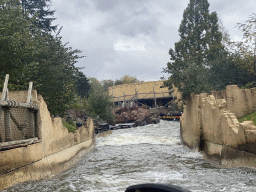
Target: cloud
(120,37)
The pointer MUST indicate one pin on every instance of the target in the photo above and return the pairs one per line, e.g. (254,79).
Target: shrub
(70,125)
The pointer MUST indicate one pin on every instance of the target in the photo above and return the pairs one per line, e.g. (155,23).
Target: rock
(139,115)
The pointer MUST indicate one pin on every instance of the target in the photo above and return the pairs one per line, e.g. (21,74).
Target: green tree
(82,85)
(126,79)
(17,44)
(107,83)
(99,102)
(247,48)
(199,45)
(29,54)
(55,75)
(40,10)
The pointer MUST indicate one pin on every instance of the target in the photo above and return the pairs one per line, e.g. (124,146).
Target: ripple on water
(141,155)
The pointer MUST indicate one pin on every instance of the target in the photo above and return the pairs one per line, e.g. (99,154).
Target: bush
(70,125)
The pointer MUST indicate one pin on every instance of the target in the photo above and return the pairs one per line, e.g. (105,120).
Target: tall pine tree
(199,44)
(40,9)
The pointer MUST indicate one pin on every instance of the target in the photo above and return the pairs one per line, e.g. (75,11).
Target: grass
(70,125)
(248,117)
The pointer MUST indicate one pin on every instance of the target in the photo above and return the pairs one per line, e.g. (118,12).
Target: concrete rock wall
(55,146)
(210,122)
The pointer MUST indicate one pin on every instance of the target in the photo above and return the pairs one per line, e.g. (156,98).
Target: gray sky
(133,37)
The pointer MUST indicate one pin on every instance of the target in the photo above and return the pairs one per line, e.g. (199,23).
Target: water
(149,154)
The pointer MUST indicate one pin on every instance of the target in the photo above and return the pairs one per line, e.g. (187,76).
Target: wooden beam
(5,95)
(29,98)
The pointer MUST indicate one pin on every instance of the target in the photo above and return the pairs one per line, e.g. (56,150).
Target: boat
(170,116)
(154,187)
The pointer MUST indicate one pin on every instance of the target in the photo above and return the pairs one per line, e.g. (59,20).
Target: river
(148,154)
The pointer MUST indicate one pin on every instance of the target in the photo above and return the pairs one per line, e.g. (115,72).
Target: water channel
(148,154)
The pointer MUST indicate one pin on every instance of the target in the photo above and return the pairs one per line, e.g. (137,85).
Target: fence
(131,100)
(18,121)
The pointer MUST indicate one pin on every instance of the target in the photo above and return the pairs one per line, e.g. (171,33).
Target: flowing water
(149,154)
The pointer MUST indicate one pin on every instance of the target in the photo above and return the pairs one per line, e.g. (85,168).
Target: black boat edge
(155,187)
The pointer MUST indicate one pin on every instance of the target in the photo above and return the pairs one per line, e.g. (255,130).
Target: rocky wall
(211,120)
(55,145)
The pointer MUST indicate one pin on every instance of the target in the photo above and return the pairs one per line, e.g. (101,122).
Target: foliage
(40,10)
(197,52)
(82,85)
(70,125)
(123,80)
(226,70)
(248,117)
(107,83)
(99,102)
(126,79)
(247,48)
(29,54)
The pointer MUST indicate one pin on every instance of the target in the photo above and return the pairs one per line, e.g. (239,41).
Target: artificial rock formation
(138,115)
(210,122)
(55,148)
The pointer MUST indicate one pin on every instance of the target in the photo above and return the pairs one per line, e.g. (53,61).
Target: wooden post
(154,96)
(124,102)
(5,94)
(113,98)
(5,97)
(29,98)
(136,96)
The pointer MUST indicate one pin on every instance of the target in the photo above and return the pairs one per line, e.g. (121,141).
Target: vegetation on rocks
(248,117)
(70,125)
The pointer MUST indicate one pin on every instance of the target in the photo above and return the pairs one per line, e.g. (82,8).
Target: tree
(40,10)
(126,79)
(55,75)
(99,102)
(29,54)
(82,85)
(107,83)
(247,48)
(199,45)
(17,44)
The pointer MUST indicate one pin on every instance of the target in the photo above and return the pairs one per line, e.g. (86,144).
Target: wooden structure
(18,121)
(150,93)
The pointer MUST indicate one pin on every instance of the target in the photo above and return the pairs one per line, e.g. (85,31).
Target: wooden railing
(18,121)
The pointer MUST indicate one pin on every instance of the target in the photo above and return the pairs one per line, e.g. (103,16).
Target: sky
(133,37)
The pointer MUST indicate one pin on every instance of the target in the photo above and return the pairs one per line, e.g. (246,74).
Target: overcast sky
(133,37)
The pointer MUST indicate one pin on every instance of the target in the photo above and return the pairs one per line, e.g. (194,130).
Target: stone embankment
(210,123)
(55,148)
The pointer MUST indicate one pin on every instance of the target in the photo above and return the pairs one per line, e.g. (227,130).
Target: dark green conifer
(40,9)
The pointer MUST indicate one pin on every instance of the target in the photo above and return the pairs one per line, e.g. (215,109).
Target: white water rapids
(149,154)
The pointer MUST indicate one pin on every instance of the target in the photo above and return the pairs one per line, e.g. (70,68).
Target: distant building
(148,93)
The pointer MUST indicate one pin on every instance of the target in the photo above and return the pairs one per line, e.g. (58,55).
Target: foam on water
(131,139)
(197,155)
(148,154)
(142,135)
